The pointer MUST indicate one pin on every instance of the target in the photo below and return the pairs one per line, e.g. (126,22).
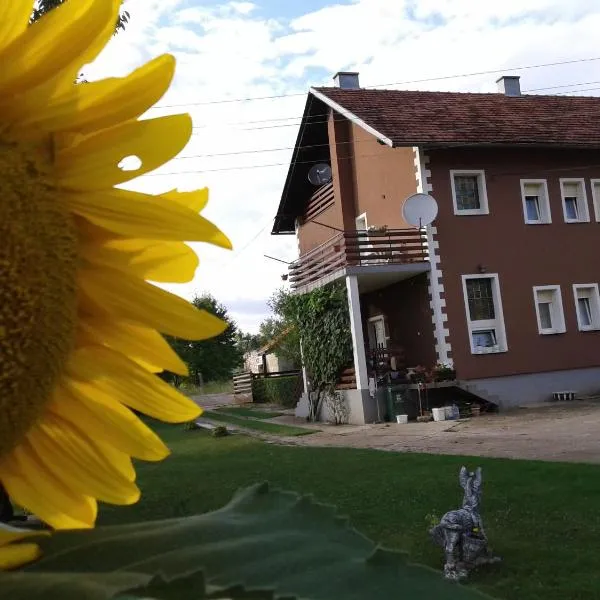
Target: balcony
(378,258)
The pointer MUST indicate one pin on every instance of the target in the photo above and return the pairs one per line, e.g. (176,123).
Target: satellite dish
(320,174)
(420,210)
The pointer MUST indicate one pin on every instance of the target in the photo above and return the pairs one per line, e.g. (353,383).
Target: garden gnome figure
(461,533)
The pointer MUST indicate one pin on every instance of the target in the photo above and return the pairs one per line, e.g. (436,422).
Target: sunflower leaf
(265,544)
(60,586)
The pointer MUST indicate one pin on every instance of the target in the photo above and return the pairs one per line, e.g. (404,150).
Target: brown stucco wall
(405,306)
(313,234)
(522,255)
(367,177)
(384,177)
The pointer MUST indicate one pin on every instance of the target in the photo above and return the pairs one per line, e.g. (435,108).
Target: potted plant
(443,372)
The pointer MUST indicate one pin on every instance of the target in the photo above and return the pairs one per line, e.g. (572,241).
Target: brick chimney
(509,85)
(346,80)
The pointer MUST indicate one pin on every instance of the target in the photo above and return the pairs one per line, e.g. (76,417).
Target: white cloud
(232,50)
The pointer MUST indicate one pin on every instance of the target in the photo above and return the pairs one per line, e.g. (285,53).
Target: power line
(298,119)
(383,85)
(352,156)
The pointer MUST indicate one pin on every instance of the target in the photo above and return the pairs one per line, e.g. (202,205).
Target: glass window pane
(467,192)
(484,339)
(532,204)
(480,299)
(585,312)
(571,208)
(545,309)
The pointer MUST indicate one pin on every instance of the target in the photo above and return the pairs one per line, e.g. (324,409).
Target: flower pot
(439,414)
(402,419)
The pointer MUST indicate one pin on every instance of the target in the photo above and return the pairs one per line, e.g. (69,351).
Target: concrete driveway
(567,432)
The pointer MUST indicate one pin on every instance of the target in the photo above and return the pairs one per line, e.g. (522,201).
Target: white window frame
(496,324)
(483,198)
(560,326)
(582,204)
(595,184)
(594,305)
(544,207)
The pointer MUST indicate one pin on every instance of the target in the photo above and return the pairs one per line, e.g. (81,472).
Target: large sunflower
(80,326)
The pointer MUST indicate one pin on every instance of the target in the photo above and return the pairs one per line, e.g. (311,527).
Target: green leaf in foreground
(263,539)
(51,586)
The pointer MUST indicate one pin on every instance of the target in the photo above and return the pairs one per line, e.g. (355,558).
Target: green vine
(322,319)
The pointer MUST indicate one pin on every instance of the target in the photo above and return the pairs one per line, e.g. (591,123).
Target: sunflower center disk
(38,291)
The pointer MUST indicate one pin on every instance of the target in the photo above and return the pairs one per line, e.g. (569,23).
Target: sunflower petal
(93,163)
(123,297)
(195,200)
(105,370)
(76,460)
(102,104)
(137,215)
(33,487)
(17,555)
(169,262)
(135,342)
(106,419)
(14,19)
(63,33)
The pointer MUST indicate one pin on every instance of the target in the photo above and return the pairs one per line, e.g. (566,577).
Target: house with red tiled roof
(502,284)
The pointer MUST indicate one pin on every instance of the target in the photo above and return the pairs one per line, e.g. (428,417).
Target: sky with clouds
(227,51)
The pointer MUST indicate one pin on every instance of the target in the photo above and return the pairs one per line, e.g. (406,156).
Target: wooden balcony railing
(358,248)
(321,200)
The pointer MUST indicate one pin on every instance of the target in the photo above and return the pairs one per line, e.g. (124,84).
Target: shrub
(284,391)
(220,431)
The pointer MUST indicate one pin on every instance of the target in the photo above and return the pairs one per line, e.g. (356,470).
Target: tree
(247,342)
(213,359)
(282,326)
(322,319)
(44,6)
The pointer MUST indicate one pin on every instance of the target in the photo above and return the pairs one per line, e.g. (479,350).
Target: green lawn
(542,518)
(257,425)
(240,411)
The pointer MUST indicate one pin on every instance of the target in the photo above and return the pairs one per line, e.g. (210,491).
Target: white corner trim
(483,196)
(439,319)
(351,116)
(498,323)
(561,325)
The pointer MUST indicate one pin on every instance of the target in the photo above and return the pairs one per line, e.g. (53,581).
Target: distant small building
(266,360)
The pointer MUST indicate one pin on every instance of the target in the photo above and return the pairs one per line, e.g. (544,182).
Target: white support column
(358,339)
(304,372)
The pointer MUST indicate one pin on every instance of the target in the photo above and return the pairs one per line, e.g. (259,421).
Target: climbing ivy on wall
(323,321)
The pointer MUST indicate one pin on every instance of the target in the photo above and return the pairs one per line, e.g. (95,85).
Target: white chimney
(346,80)
(509,85)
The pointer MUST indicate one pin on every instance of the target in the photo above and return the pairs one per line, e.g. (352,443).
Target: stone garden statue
(461,533)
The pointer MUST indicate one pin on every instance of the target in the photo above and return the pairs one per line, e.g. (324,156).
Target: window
(485,320)
(574,199)
(595,183)
(536,206)
(469,192)
(549,309)
(587,306)
(361,222)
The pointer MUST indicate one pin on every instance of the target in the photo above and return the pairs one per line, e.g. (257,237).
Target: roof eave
(351,117)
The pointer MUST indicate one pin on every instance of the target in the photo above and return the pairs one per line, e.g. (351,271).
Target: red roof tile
(408,117)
